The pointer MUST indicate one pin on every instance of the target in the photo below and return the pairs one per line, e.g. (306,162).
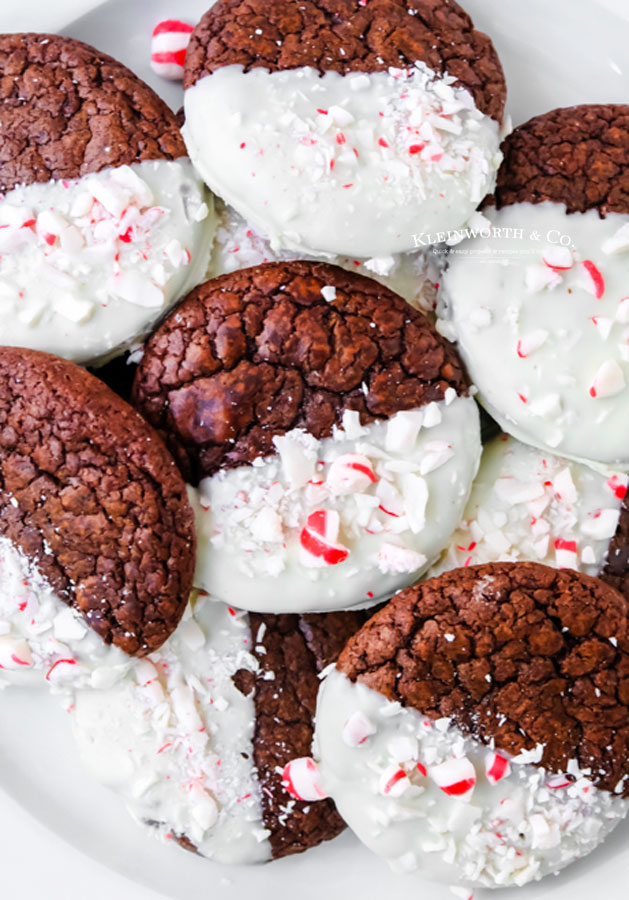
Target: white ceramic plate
(554,54)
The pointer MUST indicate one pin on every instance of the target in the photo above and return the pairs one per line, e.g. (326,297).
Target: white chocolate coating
(251,520)
(549,357)
(342,164)
(88,266)
(516,830)
(530,505)
(42,640)
(170,740)
(238,245)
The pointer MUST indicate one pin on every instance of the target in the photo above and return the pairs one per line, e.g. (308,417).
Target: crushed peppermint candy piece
(357,729)
(608,381)
(14,653)
(622,311)
(301,779)
(566,554)
(538,277)
(318,540)
(350,473)
(169,45)
(558,258)
(393,782)
(497,767)
(531,342)
(619,242)
(591,278)
(455,777)
(603,524)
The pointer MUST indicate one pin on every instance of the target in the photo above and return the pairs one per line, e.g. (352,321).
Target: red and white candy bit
(61,669)
(350,473)
(538,277)
(531,342)
(301,780)
(168,48)
(555,782)
(557,258)
(318,539)
(391,501)
(393,782)
(618,486)
(455,777)
(14,653)
(591,278)
(622,312)
(608,381)
(497,767)
(357,729)
(566,553)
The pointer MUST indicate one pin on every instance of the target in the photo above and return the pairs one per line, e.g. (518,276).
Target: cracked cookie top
(349,36)
(517,654)
(67,110)
(578,156)
(258,352)
(92,498)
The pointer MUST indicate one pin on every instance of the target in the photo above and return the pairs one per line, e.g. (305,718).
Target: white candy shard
(602,525)
(357,729)
(136,288)
(539,277)
(557,257)
(402,430)
(608,381)
(350,473)
(618,242)
(531,342)
(392,559)
(298,457)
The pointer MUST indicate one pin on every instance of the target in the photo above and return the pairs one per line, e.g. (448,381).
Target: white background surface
(33,862)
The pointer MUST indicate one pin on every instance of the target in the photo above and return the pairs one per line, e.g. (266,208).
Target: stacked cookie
(104,223)
(302,441)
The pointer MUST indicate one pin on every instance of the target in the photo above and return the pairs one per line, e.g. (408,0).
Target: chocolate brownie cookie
(477,728)
(341,127)
(552,317)
(326,426)
(103,222)
(577,156)
(96,533)
(241,692)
